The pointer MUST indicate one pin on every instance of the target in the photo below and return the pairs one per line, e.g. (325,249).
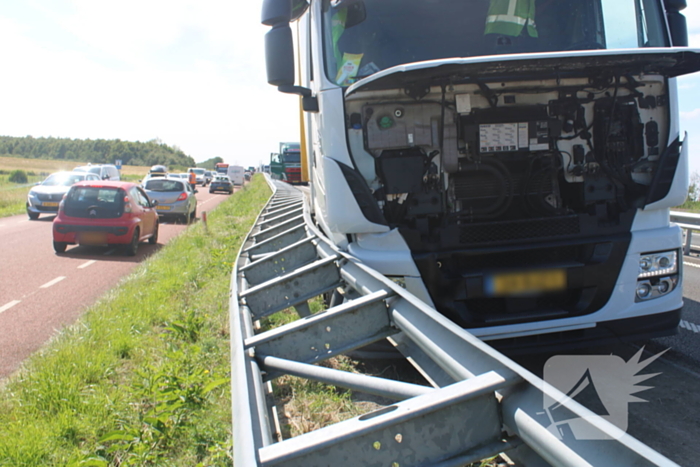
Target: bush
(18,176)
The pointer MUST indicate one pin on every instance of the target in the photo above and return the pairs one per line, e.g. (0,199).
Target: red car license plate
(92,238)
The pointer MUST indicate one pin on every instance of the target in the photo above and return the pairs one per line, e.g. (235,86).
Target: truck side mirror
(279,49)
(677,22)
(279,55)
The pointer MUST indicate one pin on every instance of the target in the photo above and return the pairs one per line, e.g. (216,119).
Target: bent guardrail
(477,402)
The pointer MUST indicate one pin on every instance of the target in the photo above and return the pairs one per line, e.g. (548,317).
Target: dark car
(221,183)
(105,213)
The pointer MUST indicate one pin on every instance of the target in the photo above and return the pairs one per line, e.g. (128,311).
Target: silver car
(47,195)
(176,199)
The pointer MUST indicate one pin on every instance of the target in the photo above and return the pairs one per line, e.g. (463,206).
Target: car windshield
(164,185)
(199,171)
(94,202)
(362,37)
(64,179)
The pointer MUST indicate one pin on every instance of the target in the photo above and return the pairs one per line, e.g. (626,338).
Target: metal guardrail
(689,222)
(477,404)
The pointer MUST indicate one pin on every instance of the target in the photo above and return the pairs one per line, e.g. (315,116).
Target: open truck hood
(670,62)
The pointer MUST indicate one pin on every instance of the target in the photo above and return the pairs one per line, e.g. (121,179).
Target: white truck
(512,162)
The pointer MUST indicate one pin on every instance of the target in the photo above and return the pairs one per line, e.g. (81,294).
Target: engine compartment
(462,154)
(488,179)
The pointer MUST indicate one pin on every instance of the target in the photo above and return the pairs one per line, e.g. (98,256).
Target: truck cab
(513,163)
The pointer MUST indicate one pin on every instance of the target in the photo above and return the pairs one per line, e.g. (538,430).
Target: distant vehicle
(175,197)
(181,175)
(105,213)
(45,196)
(236,174)
(286,164)
(208,176)
(158,169)
(104,171)
(199,172)
(151,176)
(221,168)
(221,183)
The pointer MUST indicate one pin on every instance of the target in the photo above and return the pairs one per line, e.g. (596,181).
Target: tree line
(99,151)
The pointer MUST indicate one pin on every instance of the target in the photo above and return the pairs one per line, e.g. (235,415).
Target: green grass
(13,196)
(142,378)
(689,205)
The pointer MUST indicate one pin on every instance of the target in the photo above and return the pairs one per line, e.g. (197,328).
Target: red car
(105,213)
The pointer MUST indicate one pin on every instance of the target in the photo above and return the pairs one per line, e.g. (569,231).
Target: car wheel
(154,238)
(33,215)
(133,247)
(59,247)
(193,216)
(211,191)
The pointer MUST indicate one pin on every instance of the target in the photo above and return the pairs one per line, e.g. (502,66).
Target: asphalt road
(41,292)
(669,418)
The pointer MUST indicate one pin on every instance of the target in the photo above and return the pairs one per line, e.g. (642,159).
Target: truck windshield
(365,36)
(292,157)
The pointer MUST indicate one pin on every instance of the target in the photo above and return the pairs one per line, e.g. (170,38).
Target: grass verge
(142,377)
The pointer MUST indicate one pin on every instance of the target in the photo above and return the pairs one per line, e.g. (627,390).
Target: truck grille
(541,228)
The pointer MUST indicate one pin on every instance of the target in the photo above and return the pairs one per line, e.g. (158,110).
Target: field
(13,196)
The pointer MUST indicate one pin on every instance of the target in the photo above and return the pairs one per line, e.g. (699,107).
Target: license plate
(92,238)
(163,208)
(49,204)
(527,283)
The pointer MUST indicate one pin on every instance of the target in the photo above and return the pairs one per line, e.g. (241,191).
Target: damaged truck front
(512,162)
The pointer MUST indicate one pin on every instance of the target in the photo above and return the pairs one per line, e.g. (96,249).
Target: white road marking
(53,282)
(84,265)
(9,305)
(695,265)
(689,326)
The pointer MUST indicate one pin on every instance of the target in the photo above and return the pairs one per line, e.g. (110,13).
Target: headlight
(658,264)
(32,194)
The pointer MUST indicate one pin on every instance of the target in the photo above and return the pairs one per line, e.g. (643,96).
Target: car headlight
(658,264)
(31,194)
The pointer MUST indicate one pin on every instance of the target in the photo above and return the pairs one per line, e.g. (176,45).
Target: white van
(236,174)
(104,171)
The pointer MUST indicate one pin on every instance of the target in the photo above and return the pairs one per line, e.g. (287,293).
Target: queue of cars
(94,207)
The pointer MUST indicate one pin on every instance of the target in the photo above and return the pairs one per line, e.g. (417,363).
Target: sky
(190,73)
